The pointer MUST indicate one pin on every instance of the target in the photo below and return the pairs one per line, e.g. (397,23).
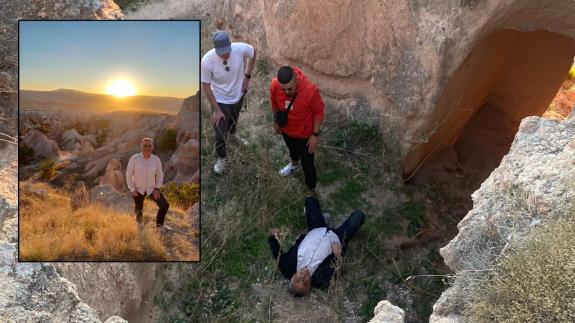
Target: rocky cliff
(428,67)
(34,292)
(532,186)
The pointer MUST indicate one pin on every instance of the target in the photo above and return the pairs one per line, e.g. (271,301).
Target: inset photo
(108,141)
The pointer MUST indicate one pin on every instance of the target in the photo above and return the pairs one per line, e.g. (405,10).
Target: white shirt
(143,174)
(226,85)
(314,248)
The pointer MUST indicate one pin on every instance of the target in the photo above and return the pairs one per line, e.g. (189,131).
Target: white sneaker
(219,166)
(288,169)
(239,140)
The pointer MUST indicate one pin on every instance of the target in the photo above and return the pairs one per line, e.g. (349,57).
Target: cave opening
(509,75)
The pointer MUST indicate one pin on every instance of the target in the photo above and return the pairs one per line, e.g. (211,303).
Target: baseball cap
(222,42)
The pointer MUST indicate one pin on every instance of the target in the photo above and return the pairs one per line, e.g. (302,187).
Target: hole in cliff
(508,76)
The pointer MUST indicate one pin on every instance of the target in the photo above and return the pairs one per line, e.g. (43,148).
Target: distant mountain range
(64,99)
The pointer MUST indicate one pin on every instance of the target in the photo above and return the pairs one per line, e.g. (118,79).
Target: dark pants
(161,202)
(298,150)
(344,232)
(226,126)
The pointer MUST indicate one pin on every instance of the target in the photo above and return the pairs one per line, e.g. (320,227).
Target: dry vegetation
(534,282)
(50,231)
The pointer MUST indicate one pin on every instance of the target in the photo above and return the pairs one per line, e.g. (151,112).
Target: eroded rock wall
(532,186)
(401,55)
(33,292)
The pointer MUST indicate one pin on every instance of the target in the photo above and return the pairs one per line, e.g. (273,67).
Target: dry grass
(50,231)
(534,282)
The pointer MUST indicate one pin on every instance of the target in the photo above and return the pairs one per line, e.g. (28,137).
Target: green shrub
(25,154)
(182,195)
(167,141)
(534,282)
(47,169)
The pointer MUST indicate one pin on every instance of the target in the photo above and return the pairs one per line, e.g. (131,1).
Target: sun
(121,88)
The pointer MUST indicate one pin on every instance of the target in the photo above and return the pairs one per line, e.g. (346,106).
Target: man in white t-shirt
(144,177)
(225,79)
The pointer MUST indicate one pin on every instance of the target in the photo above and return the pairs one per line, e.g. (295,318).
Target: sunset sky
(159,58)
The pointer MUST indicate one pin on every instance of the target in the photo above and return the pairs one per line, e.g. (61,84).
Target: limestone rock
(34,292)
(114,176)
(106,195)
(188,120)
(80,197)
(42,145)
(385,312)
(128,282)
(425,67)
(532,185)
(184,163)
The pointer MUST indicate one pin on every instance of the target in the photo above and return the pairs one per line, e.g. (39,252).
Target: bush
(182,195)
(25,154)
(47,169)
(167,141)
(533,283)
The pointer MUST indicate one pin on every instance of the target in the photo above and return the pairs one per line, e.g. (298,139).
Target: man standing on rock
(298,113)
(225,79)
(144,177)
(311,260)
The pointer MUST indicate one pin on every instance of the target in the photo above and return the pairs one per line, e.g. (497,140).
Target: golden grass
(50,231)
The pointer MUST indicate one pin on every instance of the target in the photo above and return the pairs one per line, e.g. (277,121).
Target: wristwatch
(315,134)
(248,76)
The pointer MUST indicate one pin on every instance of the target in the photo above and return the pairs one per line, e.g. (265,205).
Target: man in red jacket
(304,117)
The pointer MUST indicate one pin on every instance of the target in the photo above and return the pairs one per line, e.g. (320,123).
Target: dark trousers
(298,150)
(344,232)
(161,202)
(226,126)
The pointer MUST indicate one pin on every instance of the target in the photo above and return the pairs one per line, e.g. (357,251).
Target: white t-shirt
(143,175)
(314,248)
(226,85)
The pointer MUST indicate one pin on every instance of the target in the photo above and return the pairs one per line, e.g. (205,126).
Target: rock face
(184,165)
(42,145)
(73,142)
(126,131)
(35,292)
(426,67)
(533,185)
(127,282)
(385,312)
(114,176)
(188,119)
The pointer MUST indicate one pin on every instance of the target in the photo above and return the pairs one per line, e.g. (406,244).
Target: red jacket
(307,107)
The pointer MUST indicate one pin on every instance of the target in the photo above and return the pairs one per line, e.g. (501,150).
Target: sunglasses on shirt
(226,64)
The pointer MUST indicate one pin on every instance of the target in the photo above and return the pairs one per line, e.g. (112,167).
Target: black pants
(298,150)
(226,126)
(161,202)
(344,232)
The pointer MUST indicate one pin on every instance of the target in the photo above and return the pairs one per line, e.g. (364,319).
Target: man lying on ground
(310,261)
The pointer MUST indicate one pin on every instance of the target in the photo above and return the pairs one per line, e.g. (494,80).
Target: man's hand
(156,194)
(277,128)
(336,249)
(217,116)
(312,143)
(246,84)
(135,193)
(275,232)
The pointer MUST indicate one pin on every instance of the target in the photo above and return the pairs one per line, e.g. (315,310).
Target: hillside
(66,99)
